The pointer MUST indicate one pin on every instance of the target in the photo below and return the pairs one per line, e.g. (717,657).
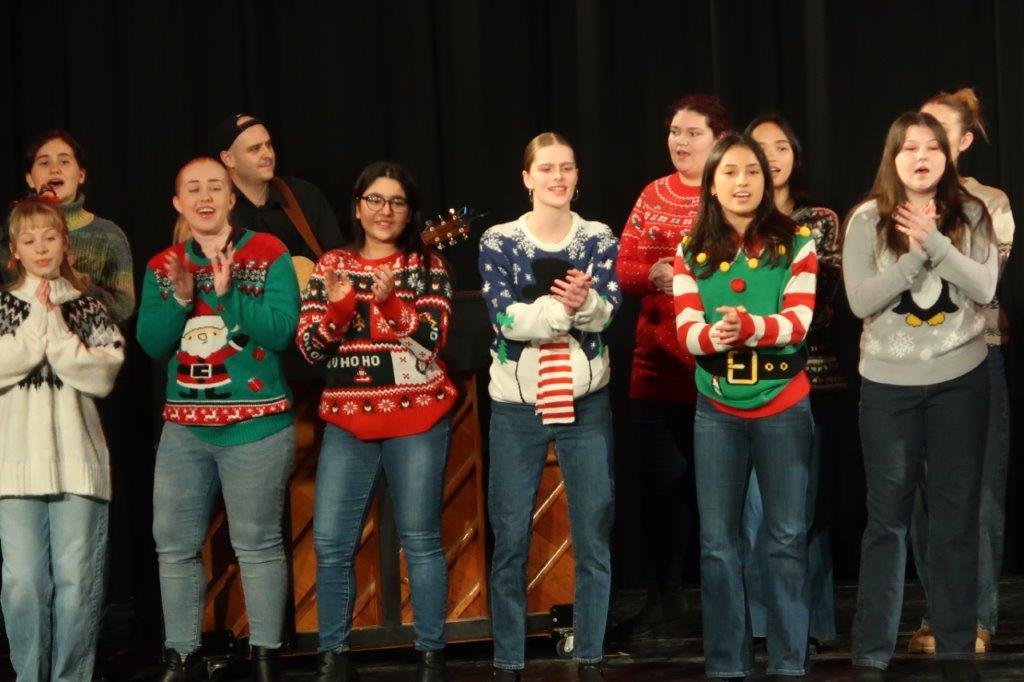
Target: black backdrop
(455,88)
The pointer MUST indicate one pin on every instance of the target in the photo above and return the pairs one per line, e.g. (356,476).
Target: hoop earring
(576,194)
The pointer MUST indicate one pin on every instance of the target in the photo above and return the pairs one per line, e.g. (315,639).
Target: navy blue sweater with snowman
(517,271)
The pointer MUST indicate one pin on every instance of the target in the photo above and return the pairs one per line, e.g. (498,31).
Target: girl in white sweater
(59,349)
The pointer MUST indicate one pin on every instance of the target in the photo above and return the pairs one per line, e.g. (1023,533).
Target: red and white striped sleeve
(695,335)
(790,325)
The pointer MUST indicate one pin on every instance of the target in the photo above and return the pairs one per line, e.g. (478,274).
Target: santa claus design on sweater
(206,345)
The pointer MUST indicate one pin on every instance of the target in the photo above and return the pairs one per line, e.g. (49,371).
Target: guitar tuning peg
(451,241)
(430,224)
(440,246)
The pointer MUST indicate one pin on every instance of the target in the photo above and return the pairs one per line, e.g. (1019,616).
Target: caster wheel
(564,646)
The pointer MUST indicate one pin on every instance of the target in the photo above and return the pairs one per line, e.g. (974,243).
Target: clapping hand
(221,264)
(383,283)
(337,285)
(729,327)
(180,274)
(916,223)
(571,292)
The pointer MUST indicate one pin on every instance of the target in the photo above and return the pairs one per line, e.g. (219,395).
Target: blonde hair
(967,106)
(182,231)
(28,213)
(536,144)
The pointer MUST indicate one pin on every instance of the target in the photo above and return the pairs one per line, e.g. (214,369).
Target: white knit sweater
(52,364)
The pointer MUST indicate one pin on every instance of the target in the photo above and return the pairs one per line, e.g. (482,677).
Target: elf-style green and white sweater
(384,379)
(517,270)
(779,303)
(52,364)
(224,380)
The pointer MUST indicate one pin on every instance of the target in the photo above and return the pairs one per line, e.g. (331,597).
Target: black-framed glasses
(376,202)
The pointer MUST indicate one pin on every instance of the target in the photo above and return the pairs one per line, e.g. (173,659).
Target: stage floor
(658,659)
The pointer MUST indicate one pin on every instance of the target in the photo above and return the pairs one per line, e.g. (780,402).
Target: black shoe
(504,675)
(431,667)
(177,670)
(335,666)
(867,672)
(962,670)
(590,672)
(266,665)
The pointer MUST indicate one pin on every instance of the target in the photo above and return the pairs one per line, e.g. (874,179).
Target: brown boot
(922,641)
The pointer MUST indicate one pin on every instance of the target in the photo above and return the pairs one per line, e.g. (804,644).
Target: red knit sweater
(664,212)
(383,376)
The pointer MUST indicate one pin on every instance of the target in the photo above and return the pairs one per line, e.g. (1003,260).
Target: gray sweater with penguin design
(923,312)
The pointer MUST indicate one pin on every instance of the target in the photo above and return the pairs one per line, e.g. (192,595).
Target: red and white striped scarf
(554,385)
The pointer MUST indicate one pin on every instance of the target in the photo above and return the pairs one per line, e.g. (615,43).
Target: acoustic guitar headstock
(449,230)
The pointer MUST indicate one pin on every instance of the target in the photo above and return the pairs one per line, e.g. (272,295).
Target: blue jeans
(819,551)
(992,514)
(663,436)
(902,428)
(346,475)
(518,449)
(53,549)
(253,478)
(779,449)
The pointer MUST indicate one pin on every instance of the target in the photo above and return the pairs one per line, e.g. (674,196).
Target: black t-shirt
(270,217)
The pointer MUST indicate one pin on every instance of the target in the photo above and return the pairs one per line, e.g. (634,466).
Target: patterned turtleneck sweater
(101,252)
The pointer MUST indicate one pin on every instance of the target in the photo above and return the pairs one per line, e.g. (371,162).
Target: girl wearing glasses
(550,287)
(376,313)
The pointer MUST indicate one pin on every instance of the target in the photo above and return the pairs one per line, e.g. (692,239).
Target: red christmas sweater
(384,379)
(665,210)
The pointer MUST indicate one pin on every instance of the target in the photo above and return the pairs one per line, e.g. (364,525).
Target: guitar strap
(295,214)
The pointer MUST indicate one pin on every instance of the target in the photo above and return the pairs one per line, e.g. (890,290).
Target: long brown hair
(888,191)
(714,236)
(28,213)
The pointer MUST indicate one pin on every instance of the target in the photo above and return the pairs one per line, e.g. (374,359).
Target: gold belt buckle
(731,367)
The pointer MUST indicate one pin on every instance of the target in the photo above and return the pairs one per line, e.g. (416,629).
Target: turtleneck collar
(61,290)
(75,214)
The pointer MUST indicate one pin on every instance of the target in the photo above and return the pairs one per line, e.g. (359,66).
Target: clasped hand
(729,325)
(572,291)
(916,223)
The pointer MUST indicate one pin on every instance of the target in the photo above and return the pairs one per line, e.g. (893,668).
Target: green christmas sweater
(778,302)
(224,378)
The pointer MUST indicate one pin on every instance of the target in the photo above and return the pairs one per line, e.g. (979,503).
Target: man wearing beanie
(266,203)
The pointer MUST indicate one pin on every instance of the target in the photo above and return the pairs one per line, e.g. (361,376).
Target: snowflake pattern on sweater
(384,378)
(517,270)
(53,362)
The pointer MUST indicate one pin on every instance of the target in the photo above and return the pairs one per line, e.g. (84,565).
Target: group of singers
(733,391)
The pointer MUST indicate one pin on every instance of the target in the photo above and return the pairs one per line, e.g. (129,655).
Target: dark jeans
(662,435)
(826,410)
(992,510)
(519,445)
(902,429)
(778,447)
